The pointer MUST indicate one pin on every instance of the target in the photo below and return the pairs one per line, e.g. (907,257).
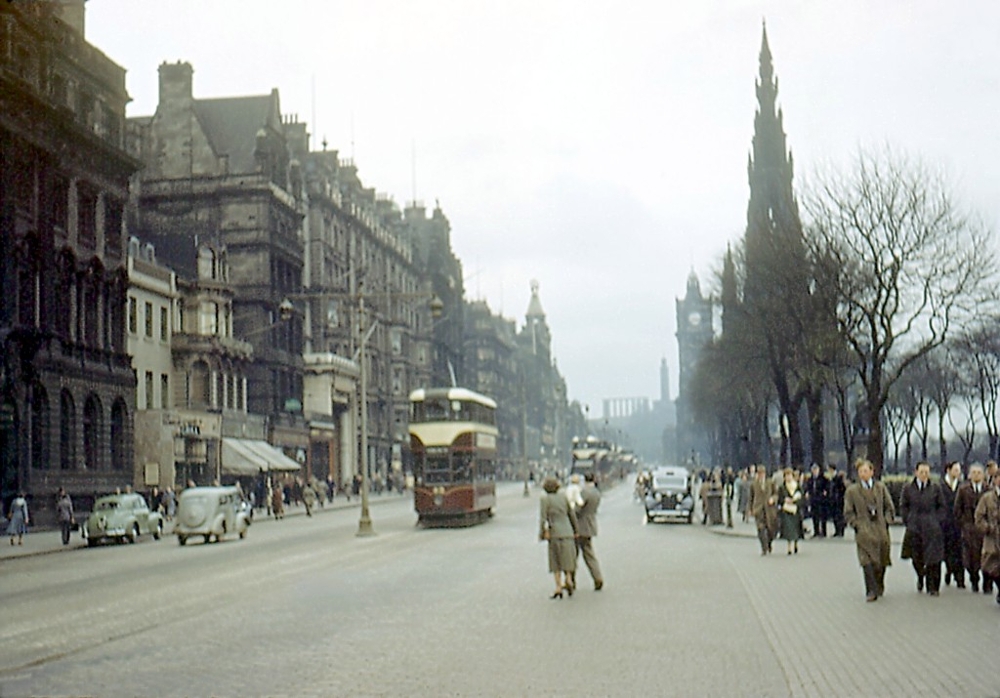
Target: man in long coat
(586,529)
(868,510)
(818,489)
(922,506)
(988,523)
(966,501)
(950,529)
(763,508)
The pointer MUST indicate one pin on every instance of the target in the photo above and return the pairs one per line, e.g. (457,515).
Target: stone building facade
(220,190)
(67,391)
(359,250)
(491,369)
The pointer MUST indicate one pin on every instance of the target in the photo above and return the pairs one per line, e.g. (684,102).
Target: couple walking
(568,521)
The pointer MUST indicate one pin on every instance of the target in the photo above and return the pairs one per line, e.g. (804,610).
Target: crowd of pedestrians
(951,526)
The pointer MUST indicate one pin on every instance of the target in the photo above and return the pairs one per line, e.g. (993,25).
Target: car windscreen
(673,483)
(107,504)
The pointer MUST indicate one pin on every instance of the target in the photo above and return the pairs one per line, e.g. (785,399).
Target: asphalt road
(302,607)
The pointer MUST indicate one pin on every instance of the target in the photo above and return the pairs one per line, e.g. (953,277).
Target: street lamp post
(365,522)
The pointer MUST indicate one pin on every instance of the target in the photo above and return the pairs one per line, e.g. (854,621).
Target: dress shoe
(871,597)
(598,585)
(934,592)
(557,595)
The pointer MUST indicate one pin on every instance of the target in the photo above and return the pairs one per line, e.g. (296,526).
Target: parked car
(669,495)
(210,511)
(121,517)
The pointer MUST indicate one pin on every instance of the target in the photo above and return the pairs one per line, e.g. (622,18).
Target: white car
(210,511)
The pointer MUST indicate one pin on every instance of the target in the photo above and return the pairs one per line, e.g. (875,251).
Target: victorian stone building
(431,238)
(491,369)
(221,198)
(67,391)
(360,253)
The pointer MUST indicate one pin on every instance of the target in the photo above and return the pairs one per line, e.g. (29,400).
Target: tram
(453,439)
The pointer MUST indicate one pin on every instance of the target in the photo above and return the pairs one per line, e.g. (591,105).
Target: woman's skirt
(562,555)
(17,527)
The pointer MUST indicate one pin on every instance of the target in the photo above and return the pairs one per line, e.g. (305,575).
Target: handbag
(790,507)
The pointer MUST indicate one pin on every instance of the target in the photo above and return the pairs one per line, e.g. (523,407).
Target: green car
(121,517)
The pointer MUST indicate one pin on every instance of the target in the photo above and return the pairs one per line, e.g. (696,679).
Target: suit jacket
(760,492)
(556,516)
(868,512)
(923,513)
(965,504)
(586,514)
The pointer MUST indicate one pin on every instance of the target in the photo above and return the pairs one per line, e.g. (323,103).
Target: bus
(453,440)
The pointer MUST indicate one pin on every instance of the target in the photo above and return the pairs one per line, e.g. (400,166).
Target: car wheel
(243,534)
(91,542)
(181,540)
(208,537)
(158,531)
(133,535)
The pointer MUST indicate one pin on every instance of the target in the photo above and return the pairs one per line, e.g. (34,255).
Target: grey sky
(599,147)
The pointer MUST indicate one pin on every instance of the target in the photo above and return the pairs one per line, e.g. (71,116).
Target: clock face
(694,319)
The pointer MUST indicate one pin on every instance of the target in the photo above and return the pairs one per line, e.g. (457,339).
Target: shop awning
(250,456)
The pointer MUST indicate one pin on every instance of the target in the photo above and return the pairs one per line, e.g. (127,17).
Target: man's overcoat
(868,511)
(923,512)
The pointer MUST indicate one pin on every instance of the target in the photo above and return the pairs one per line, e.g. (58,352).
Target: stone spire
(773,225)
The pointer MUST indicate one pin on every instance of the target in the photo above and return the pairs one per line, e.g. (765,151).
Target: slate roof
(231,125)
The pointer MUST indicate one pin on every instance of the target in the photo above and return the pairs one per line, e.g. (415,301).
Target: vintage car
(121,517)
(210,511)
(668,495)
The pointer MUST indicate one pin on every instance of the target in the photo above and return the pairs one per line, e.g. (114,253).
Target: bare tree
(909,266)
(977,358)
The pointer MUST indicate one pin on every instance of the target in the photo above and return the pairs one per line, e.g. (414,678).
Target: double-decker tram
(453,439)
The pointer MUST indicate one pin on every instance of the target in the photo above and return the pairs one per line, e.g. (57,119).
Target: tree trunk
(817,445)
(942,443)
(876,447)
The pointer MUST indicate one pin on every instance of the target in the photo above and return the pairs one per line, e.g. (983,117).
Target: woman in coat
(922,506)
(790,510)
(18,519)
(557,525)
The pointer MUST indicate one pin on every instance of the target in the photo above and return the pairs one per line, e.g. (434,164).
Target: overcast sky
(599,147)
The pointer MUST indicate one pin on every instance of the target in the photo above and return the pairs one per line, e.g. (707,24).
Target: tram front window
(462,467)
(437,470)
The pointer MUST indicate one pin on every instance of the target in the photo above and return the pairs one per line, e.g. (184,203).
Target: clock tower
(694,332)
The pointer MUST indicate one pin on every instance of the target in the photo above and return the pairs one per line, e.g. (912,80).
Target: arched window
(39,427)
(10,479)
(67,431)
(92,433)
(206,263)
(119,432)
(200,392)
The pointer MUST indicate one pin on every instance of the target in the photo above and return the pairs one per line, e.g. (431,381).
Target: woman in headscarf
(557,525)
